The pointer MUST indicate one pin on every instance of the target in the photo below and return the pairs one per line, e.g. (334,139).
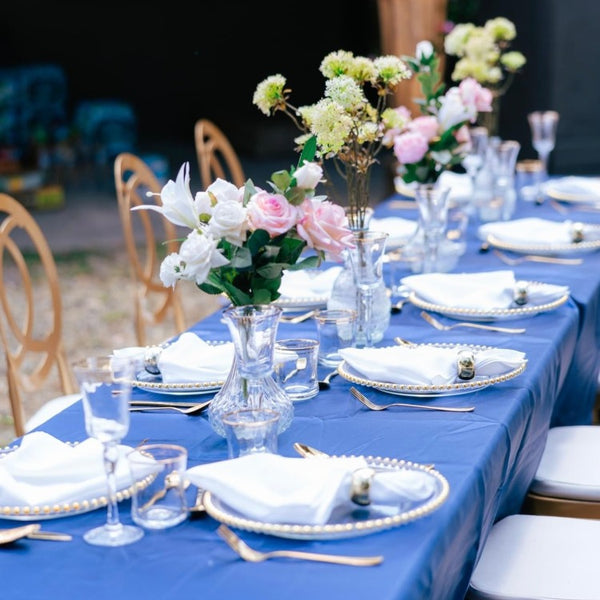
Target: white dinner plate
(431,391)
(349,519)
(64,509)
(567,189)
(549,249)
(490,314)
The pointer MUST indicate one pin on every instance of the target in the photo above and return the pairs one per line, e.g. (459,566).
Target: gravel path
(97,312)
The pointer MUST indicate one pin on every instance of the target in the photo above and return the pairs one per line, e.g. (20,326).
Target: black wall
(176,63)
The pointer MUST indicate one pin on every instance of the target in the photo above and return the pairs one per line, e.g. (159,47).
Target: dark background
(175,63)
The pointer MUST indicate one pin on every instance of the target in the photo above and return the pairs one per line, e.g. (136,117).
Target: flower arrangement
(484,53)
(242,239)
(438,139)
(347,126)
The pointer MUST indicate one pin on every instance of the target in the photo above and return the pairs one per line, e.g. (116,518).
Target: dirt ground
(97,296)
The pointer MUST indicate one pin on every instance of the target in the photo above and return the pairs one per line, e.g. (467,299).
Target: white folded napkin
(426,365)
(461,187)
(460,184)
(483,291)
(576,186)
(276,489)
(399,229)
(308,283)
(532,231)
(190,359)
(44,470)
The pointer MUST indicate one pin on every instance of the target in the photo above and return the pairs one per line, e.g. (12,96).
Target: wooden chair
(567,480)
(153,301)
(216,156)
(31,336)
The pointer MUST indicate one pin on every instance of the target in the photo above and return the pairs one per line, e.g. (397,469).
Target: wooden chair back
(148,238)
(31,335)
(216,156)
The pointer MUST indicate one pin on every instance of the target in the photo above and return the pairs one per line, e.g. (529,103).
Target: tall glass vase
(250,384)
(432,202)
(367,268)
(344,292)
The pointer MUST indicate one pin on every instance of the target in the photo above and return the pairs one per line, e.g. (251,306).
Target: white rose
(225,191)
(308,175)
(170,269)
(229,221)
(424,49)
(200,254)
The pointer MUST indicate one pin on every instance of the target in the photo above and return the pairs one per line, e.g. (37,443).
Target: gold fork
(433,321)
(371,405)
(252,555)
(535,258)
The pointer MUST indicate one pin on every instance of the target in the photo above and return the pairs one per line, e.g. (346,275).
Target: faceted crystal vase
(250,384)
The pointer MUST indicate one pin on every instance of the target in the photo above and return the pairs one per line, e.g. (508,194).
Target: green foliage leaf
(295,196)
(282,180)
(257,240)
(241,258)
(309,151)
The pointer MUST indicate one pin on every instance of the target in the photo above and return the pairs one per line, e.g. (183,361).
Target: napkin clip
(520,293)
(360,486)
(577,234)
(465,365)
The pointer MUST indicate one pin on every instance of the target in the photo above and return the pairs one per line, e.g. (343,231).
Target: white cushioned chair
(539,557)
(567,481)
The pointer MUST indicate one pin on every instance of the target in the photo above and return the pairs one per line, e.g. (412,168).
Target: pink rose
(323,226)
(410,147)
(427,126)
(463,136)
(271,212)
(475,95)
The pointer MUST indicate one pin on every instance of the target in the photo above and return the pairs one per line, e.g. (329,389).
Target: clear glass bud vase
(250,384)
(432,202)
(367,268)
(345,293)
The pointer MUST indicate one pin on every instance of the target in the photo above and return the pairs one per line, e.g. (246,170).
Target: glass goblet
(105,384)
(543,126)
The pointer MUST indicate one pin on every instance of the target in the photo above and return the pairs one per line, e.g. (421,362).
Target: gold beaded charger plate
(348,519)
(432,391)
(590,245)
(154,383)
(300,303)
(491,314)
(63,509)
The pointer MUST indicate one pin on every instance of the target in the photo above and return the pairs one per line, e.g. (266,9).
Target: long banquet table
(488,457)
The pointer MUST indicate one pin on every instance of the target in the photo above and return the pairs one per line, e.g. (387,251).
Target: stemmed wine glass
(105,384)
(543,126)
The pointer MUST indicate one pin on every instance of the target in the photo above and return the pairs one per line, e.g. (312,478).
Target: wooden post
(404,23)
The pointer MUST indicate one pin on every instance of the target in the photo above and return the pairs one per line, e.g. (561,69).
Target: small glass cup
(296,363)
(250,431)
(530,177)
(336,330)
(159,500)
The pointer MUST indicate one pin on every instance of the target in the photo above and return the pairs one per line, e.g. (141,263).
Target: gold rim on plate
(490,314)
(61,509)
(431,391)
(368,519)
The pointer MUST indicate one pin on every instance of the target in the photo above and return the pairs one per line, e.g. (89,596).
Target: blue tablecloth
(488,456)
